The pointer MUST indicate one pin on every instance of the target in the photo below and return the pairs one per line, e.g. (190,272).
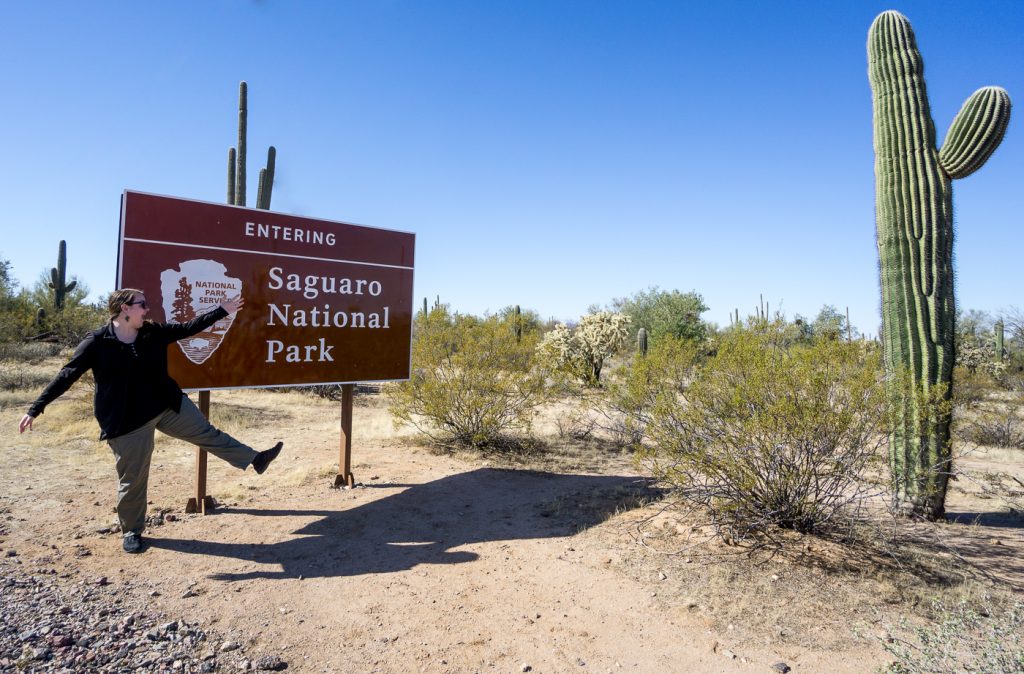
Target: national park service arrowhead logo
(193,289)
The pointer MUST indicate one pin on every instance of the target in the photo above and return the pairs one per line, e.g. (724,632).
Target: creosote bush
(634,388)
(766,436)
(471,380)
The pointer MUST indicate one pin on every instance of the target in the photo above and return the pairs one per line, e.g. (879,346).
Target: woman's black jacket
(122,372)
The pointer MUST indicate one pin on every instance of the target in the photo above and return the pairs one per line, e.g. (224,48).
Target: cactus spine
(914,218)
(237,158)
(641,342)
(58,277)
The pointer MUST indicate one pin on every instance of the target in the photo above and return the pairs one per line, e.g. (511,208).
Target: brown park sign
(325,302)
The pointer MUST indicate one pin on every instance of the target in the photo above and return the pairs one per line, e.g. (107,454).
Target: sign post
(326,302)
(344,476)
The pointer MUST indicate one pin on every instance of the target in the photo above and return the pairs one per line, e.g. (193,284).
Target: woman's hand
(233,304)
(26,422)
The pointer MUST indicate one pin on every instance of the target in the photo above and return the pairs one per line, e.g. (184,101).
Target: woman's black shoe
(264,458)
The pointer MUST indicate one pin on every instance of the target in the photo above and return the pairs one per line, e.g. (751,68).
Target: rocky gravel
(51,622)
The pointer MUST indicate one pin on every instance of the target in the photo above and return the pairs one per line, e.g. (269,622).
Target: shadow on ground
(425,523)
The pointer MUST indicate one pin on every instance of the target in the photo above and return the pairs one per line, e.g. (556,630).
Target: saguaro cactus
(237,158)
(641,342)
(58,277)
(1000,332)
(914,218)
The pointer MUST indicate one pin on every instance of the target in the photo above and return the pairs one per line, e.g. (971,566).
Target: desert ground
(563,558)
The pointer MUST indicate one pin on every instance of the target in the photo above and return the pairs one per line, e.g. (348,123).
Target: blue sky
(550,154)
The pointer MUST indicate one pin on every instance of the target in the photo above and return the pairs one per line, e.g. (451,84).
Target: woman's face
(134,312)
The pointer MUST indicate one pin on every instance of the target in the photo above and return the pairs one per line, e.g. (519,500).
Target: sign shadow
(427,523)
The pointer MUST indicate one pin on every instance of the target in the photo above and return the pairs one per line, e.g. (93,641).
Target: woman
(135,396)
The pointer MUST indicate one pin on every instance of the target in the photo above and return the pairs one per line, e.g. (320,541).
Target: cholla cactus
(582,351)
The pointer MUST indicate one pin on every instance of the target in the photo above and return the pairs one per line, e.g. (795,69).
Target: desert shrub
(631,393)
(28,352)
(766,436)
(471,381)
(1012,377)
(665,313)
(22,376)
(962,639)
(995,426)
(581,352)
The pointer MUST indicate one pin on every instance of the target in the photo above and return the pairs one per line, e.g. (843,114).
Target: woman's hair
(121,297)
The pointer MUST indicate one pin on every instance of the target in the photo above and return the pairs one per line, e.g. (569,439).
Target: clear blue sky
(549,154)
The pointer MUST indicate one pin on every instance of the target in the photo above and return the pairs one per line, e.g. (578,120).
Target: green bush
(635,387)
(471,379)
(766,436)
(665,313)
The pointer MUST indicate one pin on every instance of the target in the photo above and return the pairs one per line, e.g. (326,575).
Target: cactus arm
(268,180)
(231,175)
(976,132)
(259,187)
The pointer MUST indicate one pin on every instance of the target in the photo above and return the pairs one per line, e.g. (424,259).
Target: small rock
(11,553)
(61,641)
(229,646)
(662,576)
(189,593)
(170,517)
(729,654)
(154,593)
(269,663)
(781,667)
(102,580)
(525,668)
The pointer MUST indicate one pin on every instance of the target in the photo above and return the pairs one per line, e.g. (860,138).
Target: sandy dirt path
(432,564)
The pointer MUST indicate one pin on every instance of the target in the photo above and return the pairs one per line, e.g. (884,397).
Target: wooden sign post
(344,476)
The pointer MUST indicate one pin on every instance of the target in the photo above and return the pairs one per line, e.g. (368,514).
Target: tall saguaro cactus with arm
(237,158)
(58,277)
(914,218)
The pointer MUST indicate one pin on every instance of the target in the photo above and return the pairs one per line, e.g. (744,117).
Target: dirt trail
(433,564)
